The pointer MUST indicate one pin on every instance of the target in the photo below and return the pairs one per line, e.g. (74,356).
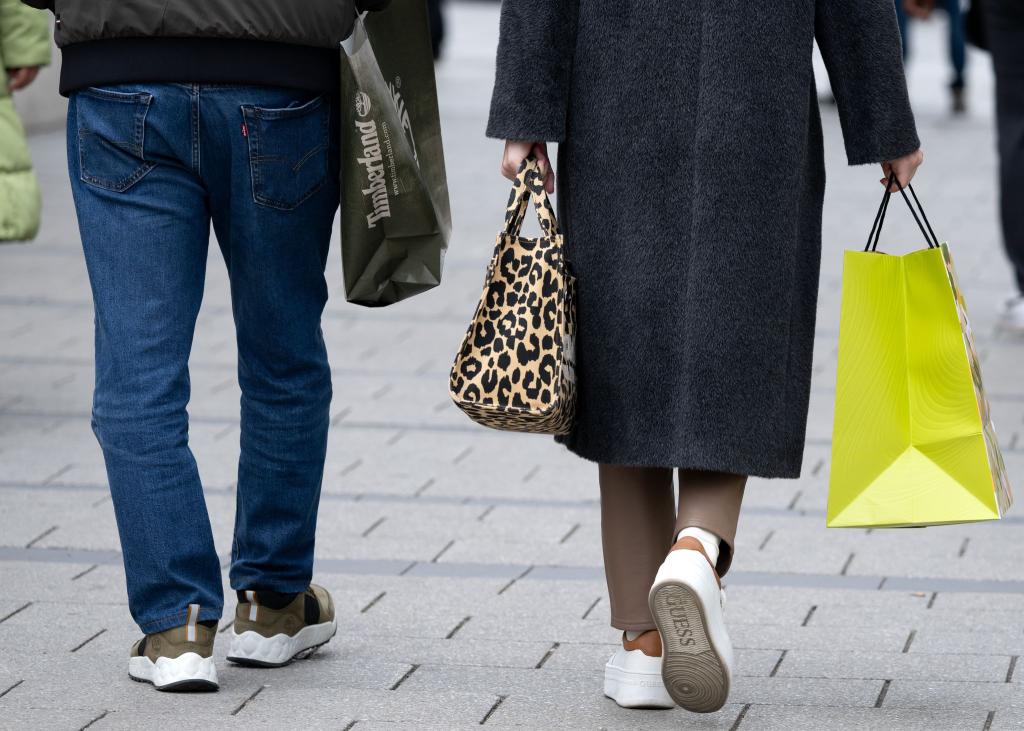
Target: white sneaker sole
(685,602)
(252,648)
(637,689)
(186,673)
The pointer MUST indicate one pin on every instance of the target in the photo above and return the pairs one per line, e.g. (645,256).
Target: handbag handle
(529,184)
(876,227)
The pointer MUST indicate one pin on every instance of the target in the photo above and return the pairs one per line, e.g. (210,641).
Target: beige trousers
(639,524)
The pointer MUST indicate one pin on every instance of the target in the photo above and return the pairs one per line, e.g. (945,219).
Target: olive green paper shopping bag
(913,442)
(395,213)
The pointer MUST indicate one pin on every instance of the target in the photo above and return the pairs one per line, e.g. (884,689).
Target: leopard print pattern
(515,370)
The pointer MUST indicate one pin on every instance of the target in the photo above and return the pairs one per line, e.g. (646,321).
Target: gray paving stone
(893,665)
(401,705)
(69,719)
(417,651)
(859,719)
(596,711)
(528,682)
(991,696)
(818,638)
(805,691)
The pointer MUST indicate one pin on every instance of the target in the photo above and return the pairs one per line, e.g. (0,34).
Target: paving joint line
(567,536)
(910,641)
(547,655)
(19,610)
(373,602)
(41,536)
(376,524)
(591,608)
(509,585)
(95,720)
(244,703)
(881,695)
(455,630)
(443,551)
(8,690)
(408,673)
(810,613)
(740,717)
(89,570)
(87,641)
(778,664)
(490,712)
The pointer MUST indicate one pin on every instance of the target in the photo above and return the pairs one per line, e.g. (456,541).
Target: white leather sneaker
(633,680)
(688,606)
(1012,319)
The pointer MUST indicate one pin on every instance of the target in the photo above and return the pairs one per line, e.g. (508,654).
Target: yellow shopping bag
(913,442)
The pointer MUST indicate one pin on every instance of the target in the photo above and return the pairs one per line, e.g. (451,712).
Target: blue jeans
(151,166)
(957,37)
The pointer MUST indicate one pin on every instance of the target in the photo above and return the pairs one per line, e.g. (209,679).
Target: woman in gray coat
(691,179)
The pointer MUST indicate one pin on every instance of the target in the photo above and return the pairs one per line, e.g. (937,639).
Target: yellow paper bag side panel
(1001,479)
(872,415)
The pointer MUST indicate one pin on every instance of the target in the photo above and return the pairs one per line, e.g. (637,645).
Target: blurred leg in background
(901,16)
(436,15)
(958,54)
(1005,28)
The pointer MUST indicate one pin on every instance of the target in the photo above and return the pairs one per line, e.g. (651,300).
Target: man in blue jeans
(180,114)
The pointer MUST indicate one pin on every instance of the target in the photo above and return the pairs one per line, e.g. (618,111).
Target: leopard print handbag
(515,370)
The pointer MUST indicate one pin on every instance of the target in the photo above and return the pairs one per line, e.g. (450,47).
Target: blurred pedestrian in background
(957,40)
(1001,31)
(691,199)
(24,47)
(435,11)
(1004,31)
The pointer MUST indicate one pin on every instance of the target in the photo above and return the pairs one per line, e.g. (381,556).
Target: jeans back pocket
(111,127)
(288,152)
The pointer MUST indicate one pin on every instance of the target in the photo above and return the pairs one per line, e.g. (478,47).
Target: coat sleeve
(860,42)
(531,86)
(24,35)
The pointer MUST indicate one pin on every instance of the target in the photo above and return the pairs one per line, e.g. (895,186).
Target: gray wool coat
(691,179)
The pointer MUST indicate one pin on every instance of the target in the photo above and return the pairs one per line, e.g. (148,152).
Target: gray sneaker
(270,638)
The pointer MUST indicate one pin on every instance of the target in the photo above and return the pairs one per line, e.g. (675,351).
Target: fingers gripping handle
(922,220)
(529,184)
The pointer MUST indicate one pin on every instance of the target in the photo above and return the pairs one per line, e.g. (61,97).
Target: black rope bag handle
(922,220)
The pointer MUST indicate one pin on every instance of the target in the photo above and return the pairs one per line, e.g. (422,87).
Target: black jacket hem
(198,61)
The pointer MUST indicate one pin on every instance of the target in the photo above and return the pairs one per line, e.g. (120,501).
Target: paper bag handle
(876,227)
(529,184)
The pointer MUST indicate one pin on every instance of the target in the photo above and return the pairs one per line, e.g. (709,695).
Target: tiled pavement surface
(466,564)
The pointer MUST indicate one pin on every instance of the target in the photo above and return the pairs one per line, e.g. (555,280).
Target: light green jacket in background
(24,41)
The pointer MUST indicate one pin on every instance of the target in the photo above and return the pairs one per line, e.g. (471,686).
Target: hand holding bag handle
(529,184)
(876,227)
